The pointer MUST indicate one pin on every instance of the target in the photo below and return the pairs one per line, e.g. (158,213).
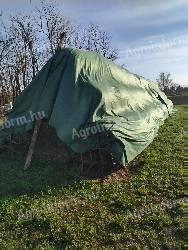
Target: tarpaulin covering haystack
(81,93)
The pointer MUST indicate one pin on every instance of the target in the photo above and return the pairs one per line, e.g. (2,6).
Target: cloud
(171,60)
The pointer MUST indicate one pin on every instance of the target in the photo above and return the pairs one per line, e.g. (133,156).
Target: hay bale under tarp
(77,88)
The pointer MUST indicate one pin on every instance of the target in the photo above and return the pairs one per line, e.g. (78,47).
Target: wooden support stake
(62,40)
(32,145)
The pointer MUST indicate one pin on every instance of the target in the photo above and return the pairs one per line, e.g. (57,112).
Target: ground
(50,207)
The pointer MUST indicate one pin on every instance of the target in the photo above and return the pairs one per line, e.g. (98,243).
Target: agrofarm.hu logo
(91,130)
(22,120)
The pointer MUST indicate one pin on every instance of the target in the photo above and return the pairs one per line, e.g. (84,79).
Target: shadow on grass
(41,176)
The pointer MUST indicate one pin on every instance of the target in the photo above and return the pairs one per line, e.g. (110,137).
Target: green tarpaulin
(81,94)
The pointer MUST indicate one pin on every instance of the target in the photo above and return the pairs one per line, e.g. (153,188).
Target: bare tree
(51,24)
(28,41)
(164,81)
(167,84)
(5,43)
(95,39)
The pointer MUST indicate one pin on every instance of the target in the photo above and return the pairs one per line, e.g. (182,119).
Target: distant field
(179,99)
(41,209)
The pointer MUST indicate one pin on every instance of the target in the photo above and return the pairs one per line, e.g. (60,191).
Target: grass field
(44,209)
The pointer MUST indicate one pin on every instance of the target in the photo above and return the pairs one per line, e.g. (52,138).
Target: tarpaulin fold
(78,90)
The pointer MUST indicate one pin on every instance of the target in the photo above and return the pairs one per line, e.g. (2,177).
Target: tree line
(168,86)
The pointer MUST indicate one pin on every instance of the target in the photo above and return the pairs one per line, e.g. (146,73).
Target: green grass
(46,208)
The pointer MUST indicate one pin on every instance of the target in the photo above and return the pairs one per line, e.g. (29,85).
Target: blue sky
(151,35)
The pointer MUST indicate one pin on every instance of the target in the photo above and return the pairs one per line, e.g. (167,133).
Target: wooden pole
(62,40)
(32,145)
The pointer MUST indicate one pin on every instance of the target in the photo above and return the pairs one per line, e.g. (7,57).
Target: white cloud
(149,65)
